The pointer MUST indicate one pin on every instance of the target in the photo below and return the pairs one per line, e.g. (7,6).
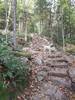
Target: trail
(51,73)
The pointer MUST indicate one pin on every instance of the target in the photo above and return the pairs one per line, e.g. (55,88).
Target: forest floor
(51,73)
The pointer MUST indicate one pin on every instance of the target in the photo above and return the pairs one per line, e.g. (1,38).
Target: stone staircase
(58,70)
(51,73)
(51,77)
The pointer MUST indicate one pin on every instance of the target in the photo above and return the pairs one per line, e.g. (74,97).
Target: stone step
(54,56)
(57,60)
(57,55)
(57,65)
(59,72)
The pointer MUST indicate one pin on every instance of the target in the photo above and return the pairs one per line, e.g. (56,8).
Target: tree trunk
(40,27)
(6,5)
(63,32)
(26,31)
(14,4)
(8,11)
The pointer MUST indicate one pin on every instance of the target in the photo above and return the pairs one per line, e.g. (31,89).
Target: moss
(71,51)
(70,48)
(22,53)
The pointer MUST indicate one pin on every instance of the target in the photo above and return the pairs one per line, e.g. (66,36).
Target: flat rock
(35,97)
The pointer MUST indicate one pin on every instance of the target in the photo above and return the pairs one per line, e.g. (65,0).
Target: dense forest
(35,34)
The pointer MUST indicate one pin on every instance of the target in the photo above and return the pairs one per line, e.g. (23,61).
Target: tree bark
(26,31)
(8,11)
(14,5)
(63,32)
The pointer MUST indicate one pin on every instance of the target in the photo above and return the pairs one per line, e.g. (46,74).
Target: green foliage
(2,15)
(68,19)
(71,40)
(14,74)
(46,32)
(32,27)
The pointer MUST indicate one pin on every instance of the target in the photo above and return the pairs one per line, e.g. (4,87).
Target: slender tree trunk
(40,27)
(63,32)
(14,3)
(25,20)
(69,3)
(26,31)
(19,26)
(57,29)
(42,24)
(8,11)
(50,23)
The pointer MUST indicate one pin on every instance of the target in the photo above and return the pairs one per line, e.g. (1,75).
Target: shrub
(14,74)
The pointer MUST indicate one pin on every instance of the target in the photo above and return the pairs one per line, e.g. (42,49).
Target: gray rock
(54,92)
(73,86)
(70,58)
(51,90)
(24,59)
(35,97)
(40,78)
(60,96)
(63,81)
(72,73)
(72,77)
(38,61)
(41,75)
(40,97)
(51,93)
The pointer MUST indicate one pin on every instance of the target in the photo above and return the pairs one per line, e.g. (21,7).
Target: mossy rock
(22,53)
(70,48)
(71,51)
